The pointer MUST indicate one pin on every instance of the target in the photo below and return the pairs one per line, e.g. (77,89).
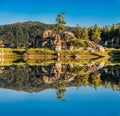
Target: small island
(35,40)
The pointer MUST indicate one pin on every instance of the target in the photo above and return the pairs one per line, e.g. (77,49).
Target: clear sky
(82,12)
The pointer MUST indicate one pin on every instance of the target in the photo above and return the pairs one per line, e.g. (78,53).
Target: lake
(60,88)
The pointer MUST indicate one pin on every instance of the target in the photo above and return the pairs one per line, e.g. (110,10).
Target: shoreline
(37,57)
(41,53)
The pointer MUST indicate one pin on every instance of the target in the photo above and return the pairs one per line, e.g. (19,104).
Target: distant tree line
(22,35)
(97,34)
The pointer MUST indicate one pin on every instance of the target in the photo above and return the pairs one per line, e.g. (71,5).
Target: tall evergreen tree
(84,34)
(112,31)
(60,23)
(77,32)
(95,34)
(105,33)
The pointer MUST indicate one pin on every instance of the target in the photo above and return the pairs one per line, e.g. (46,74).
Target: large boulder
(101,48)
(48,34)
(67,35)
(94,46)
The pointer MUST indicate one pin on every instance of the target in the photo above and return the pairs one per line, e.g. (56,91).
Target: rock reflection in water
(59,76)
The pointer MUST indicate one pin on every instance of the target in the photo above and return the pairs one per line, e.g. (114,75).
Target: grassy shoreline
(43,53)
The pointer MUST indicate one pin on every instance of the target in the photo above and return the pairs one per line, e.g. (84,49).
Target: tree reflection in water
(59,76)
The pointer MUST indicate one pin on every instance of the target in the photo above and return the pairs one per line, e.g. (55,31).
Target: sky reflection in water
(82,101)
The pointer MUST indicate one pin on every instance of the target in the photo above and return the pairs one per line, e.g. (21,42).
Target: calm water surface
(60,90)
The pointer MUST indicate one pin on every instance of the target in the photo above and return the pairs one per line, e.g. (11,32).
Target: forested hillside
(21,35)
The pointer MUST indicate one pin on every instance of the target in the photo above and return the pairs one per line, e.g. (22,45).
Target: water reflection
(59,75)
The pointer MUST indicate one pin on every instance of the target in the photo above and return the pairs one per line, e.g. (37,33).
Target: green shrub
(74,52)
(76,43)
(41,51)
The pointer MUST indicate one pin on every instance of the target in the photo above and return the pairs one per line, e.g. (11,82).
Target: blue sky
(82,12)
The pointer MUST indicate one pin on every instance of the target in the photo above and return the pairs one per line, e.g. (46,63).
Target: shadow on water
(38,75)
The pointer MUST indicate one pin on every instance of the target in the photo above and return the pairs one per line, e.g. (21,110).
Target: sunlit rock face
(67,35)
(48,39)
(48,34)
(92,46)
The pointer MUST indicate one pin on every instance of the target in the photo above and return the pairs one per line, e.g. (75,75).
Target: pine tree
(60,23)
(84,34)
(112,31)
(96,34)
(105,33)
(77,32)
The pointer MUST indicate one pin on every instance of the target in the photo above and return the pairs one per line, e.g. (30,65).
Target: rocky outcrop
(92,46)
(48,34)
(57,42)
(48,39)
(67,35)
